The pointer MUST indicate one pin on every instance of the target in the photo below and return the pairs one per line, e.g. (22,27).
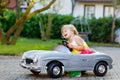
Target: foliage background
(100,28)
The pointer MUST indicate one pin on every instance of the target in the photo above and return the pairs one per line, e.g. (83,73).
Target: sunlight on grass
(24,44)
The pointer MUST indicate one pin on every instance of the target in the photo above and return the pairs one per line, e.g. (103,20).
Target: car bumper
(30,67)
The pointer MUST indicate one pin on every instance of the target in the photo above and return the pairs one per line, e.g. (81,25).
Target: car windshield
(62,48)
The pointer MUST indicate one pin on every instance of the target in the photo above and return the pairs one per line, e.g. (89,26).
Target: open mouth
(65,35)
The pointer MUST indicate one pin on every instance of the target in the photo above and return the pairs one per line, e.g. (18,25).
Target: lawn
(25,44)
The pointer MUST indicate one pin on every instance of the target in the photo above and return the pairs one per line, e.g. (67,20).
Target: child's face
(66,33)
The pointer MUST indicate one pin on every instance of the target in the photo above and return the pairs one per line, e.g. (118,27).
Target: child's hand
(70,45)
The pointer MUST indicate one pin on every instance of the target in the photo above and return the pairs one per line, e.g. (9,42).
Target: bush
(58,22)
(100,28)
(32,28)
(8,20)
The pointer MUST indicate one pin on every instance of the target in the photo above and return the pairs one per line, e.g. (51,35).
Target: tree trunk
(49,25)
(113,24)
(3,38)
(18,30)
(18,9)
(112,31)
(16,35)
(18,26)
(12,29)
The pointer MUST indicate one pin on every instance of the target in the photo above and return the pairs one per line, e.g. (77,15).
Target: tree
(18,9)
(45,25)
(116,7)
(3,7)
(17,28)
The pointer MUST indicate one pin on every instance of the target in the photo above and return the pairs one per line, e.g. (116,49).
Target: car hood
(32,53)
(58,50)
(42,53)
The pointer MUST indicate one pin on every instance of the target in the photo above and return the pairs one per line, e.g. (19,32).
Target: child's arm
(79,45)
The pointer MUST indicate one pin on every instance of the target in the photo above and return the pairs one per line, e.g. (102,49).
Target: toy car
(61,60)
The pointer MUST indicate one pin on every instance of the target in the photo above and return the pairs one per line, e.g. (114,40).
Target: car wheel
(83,72)
(34,72)
(54,70)
(100,69)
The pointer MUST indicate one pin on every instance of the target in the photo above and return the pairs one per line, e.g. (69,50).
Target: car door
(82,61)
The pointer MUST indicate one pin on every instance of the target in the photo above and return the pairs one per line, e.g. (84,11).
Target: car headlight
(23,56)
(35,59)
(22,60)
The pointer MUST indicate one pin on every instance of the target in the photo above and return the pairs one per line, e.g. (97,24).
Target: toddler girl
(75,42)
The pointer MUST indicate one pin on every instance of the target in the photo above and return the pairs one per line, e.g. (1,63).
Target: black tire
(100,69)
(83,72)
(54,70)
(34,72)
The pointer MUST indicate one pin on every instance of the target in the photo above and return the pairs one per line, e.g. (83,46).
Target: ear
(73,31)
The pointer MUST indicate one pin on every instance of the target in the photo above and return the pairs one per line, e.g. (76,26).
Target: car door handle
(84,59)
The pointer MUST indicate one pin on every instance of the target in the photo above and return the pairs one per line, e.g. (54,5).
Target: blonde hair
(71,27)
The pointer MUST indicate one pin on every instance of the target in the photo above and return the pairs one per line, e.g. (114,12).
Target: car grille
(28,61)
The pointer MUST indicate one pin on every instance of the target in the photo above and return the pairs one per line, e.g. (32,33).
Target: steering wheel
(64,42)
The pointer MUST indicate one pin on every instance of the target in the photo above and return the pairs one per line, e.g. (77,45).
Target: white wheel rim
(56,70)
(101,69)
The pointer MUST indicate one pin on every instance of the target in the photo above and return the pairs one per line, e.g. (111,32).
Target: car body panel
(39,59)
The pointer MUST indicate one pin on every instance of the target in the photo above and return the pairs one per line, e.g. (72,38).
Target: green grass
(25,44)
